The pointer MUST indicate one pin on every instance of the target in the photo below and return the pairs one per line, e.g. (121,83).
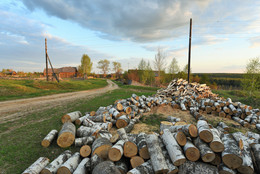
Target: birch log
(217,161)
(116,152)
(189,130)
(136,161)
(84,131)
(223,125)
(84,141)
(85,151)
(174,150)
(192,153)
(223,169)
(55,164)
(121,165)
(145,168)
(207,155)
(256,156)
(180,138)
(157,159)
(231,155)
(122,121)
(37,166)
(70,165)
(98,118)
(81,169)
(94,161)
(100,147)
(190,167)
(80,120)
(130,126)
(49,138)
(216,144)
(204,131)
(66,135)
(142,146)
(106,167)
(71,117)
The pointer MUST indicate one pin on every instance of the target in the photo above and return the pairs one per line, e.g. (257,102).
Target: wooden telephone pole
(189,51)
(46,55)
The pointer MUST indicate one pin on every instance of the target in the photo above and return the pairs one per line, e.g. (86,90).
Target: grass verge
(17,89)
(20,147)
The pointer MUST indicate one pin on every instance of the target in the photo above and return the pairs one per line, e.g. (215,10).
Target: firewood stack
(183,148)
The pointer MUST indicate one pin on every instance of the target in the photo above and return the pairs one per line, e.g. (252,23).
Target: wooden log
(49,138)
(37,166)
(207,155)
(80,120)
(116,152)
(255,153)
(122,121)
(247,164)
(84,141)
(71,117)
(136,161)
(81,169)
(191,152)
(204,131)
(94,161)
(157,159)
(98,118)
(70,165)
(55,164)
(226,109)
(217,161)
(145,168)
(114,138)
(174,150)
(88,122)
(66,135)
(142,146)
(165,125)
(101,147)
(223,169)
(119,106)
(257,126)
(92,113)
(122,166)
(180,138)
(130,148)
(130,126)
(222,114)
(253,136)
(223,125)
(231,155)
(240,121)
(173,119)
(84,131)
(85,151)
(104,134)
(189,130)
(106,167)
(127,110)
(216,144)
(190,167)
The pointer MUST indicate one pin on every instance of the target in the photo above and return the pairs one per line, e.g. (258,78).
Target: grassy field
(17,89)
(239,95)
(20,147)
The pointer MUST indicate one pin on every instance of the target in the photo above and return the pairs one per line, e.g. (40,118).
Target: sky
(225,33)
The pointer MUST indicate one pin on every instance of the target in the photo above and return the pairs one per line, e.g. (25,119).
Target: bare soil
(16,109)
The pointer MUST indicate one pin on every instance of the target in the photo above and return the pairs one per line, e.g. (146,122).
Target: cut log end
(193,131)
(63,170)
(136,161)
(85,151)
(192,154)
(206,136)
(66,139)
(114,138)
(130,149)
(65,118)
(217,146)
(144,153)
(114,154)
(245,169)
(102,151)
(45,143)
(232,161)
(208,157)
(45,171)
(121,124)
(181,138)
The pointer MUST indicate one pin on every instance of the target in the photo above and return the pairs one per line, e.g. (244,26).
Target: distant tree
(196,79)
(142,65)
(159,62)
(204,79)
(117,68)
(251,79)
(104,66)
(86,65)
(173,67)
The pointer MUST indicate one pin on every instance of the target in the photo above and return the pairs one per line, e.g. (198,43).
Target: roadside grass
(17,89)
(135,87)
(20,147)
(241,96)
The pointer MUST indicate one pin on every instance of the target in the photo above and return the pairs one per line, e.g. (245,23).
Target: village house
(64,72)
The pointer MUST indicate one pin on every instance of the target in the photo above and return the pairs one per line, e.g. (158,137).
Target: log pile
(178,148)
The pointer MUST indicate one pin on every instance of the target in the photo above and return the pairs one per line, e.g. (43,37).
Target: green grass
(240,96)
(135,87)
(17,89)
(20,147)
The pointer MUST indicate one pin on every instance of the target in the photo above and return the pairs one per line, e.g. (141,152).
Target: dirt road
(15,109)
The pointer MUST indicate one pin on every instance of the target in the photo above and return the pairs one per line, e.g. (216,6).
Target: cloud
(135,20)
(255,42)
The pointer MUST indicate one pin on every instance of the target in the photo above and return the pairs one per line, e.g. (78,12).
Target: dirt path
(15,109)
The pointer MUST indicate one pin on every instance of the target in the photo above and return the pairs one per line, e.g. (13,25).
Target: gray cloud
(136,20)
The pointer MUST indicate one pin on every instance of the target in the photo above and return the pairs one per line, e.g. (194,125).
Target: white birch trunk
(70,165)
(37,166)
(49,138)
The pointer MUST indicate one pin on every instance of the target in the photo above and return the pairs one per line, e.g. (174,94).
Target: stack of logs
(178,148)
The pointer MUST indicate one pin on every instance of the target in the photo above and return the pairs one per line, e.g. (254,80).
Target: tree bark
(98,118)
(37,166)
(130,126)
(190,167)
(145,168)
(207,155)
(223,169)
(66,135)
(192,153)
(81,169)
(122,166)
(157,159)
(255,153)
(216,144)
(49,138)
(142,146)
(70,165)
(189,130)
(101,147)
(55,164)
(116,152)
(224,126)
(71,117)
(80,120)
(106,167)
(84,141)
(122,121)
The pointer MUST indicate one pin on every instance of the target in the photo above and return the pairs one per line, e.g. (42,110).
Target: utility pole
(46,56)
(189,51)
